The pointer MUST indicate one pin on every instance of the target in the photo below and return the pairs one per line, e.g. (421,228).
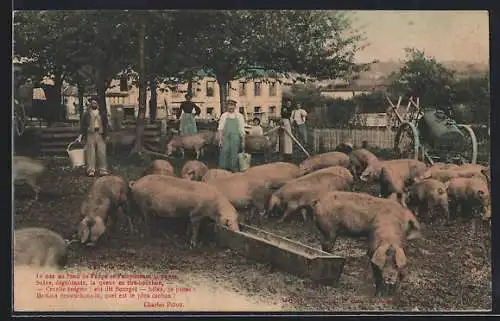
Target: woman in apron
(285,141)
(232,137)
(188,111)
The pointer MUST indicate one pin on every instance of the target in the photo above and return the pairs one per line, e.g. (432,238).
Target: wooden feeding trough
(282,253)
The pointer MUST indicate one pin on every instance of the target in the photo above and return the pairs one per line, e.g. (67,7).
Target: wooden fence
(55,140)
(326,139)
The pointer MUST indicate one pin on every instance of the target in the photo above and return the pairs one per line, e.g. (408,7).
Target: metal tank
(440,131)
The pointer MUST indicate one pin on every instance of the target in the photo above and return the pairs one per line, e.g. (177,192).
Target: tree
(241,43)
(472,100)
(423,77)
(141,35)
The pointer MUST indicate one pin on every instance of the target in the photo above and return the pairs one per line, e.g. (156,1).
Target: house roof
(356,88)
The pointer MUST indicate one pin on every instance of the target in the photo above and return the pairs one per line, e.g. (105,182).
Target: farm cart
(430,135)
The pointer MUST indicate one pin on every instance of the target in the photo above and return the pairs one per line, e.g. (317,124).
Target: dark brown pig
(28,170)
(427,197)
(105,202)
(320,161)
(359,160)
(172,197)
(161,167)
(469,195)
(215,173)
(120,140)
(39,247)
(194,170)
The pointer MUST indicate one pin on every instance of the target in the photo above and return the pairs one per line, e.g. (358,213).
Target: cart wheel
(469,153)
(406,142)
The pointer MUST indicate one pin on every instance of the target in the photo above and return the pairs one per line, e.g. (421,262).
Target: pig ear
(400,257)
(131,183)
(379,257)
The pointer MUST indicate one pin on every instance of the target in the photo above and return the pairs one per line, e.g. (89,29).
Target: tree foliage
(423,77)
(472,100)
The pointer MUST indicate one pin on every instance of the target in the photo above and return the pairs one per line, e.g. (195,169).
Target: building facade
(256,98)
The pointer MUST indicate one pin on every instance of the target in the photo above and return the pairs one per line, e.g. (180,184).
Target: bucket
(244,160)
(76,156)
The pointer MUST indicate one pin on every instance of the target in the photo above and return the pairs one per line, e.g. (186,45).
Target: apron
(285,141)
(228,156)
(188,124)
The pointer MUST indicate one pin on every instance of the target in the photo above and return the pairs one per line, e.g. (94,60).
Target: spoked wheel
(19,118)
(469,152)
(407,143)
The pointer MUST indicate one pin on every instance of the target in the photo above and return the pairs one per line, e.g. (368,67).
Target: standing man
(187,112)
(231,137)
(94,130)
(299,118)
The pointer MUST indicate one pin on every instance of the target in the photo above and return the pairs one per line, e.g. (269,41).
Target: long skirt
(188,125)
(285,141)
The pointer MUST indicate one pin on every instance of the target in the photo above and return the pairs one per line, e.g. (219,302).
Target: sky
(447,35)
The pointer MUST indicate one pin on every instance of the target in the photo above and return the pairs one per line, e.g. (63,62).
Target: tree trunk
(153,101)
(81,93)
(59,107)
(142,91)
(190,87)
(222,82)
(101,100)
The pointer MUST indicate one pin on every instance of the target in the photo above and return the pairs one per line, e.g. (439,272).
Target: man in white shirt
(299,119)
(231,137)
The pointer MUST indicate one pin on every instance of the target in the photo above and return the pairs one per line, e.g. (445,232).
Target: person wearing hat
(231,137)
(256,129)
(93,129)
(187,112)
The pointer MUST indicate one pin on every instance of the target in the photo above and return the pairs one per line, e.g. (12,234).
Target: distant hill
(380,71)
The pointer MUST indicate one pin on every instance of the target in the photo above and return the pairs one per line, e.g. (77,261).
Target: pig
(28,170)
(445,175)
(395,177)
(121,139)
(467,195)
(105,202)
(332,222)
(210,137)
(427,196)
(194,142)
(320,161)
(39,247)
(299,192)
(173,197)
(385,223)
(372,172)
(246,192)
(260,144)
(215,173)
(487,174)
(160,166)
(476,168)
(359,160)
(194,170)
(275,173)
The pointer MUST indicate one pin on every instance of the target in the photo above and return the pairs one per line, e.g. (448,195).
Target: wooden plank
(285,254)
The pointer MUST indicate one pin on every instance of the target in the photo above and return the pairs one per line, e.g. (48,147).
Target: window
(123,83)
(175,91)
(256,88)
(272,89)
(243,88)
(272,110)
(210,88)
(210,111)
(257,110)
